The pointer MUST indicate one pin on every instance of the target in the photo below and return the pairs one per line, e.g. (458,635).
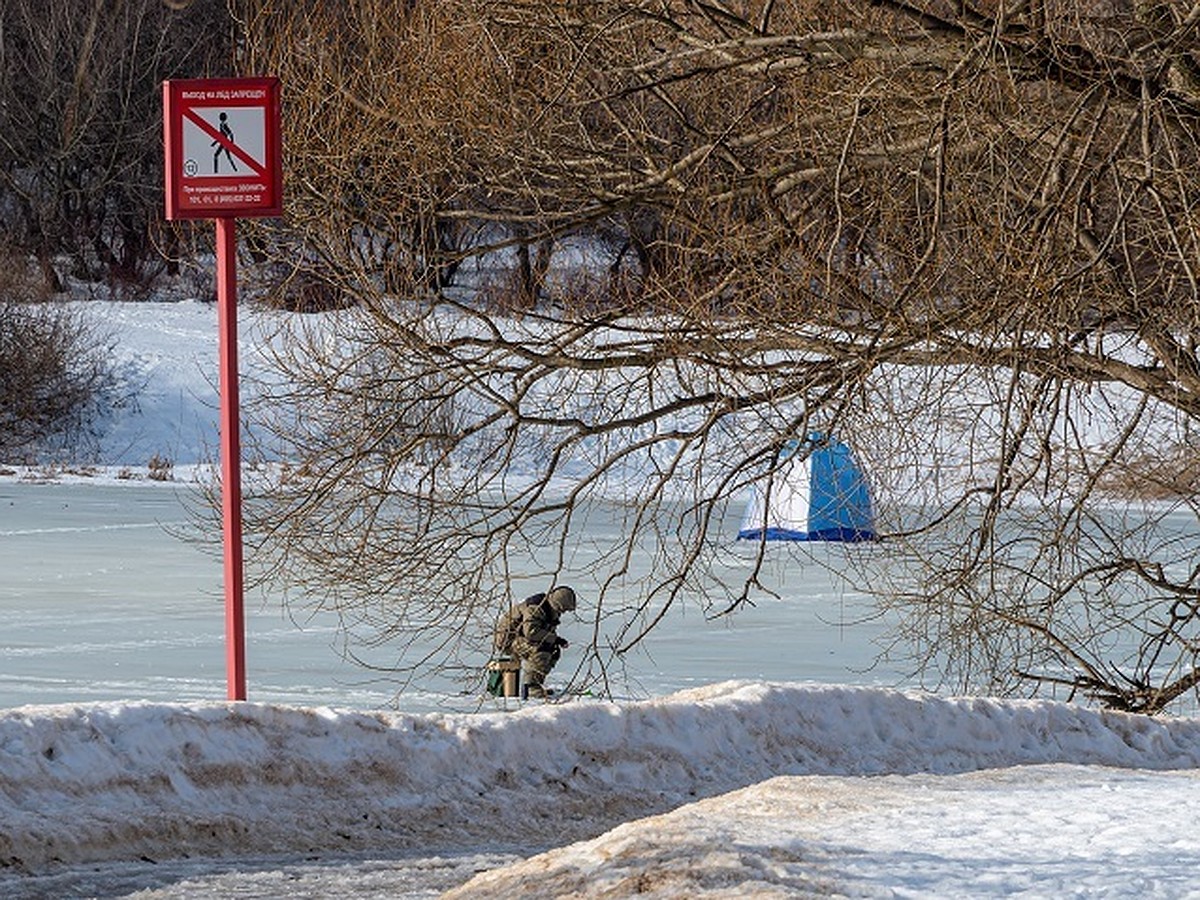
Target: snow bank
(1042,831)
(129,780)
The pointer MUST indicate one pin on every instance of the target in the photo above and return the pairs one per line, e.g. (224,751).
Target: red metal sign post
(223,160)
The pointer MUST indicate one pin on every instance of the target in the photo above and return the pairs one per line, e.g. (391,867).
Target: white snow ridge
(852,791)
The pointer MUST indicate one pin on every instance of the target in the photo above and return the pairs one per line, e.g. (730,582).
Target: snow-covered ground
(733,790)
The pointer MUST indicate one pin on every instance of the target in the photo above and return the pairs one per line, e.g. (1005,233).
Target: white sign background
(249,127)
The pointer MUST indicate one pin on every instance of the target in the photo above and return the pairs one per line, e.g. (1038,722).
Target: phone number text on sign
(223,195)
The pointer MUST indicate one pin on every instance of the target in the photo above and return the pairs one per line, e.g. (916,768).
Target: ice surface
(747,788)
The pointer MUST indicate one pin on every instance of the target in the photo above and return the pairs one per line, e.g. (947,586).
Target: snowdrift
(129,780)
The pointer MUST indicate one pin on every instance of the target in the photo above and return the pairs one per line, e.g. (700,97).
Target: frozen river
(101,601)
(819,790)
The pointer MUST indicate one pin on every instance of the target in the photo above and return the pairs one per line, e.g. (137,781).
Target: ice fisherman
(529,632)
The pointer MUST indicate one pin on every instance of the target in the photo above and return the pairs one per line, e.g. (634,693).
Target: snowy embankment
(130,780)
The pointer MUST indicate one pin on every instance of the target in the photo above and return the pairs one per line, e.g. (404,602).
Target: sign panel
(223,155)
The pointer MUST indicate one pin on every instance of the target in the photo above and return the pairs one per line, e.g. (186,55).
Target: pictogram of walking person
(227,133)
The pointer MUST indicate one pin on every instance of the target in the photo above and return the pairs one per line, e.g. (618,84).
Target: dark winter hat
(561,599)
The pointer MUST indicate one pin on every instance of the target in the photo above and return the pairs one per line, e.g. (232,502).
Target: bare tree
(57,380)
(81,127)
(959,234)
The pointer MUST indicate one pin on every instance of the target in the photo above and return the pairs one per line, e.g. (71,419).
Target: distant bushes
(1169,472)
(56,374)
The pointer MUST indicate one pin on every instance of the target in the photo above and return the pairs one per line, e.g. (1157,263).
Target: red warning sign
(222,148)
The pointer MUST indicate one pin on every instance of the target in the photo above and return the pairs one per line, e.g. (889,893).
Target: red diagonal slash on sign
(225,142)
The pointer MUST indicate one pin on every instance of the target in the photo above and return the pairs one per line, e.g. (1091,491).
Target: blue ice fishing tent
(817,493)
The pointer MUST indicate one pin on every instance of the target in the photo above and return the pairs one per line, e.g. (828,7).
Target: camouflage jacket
(532,620)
